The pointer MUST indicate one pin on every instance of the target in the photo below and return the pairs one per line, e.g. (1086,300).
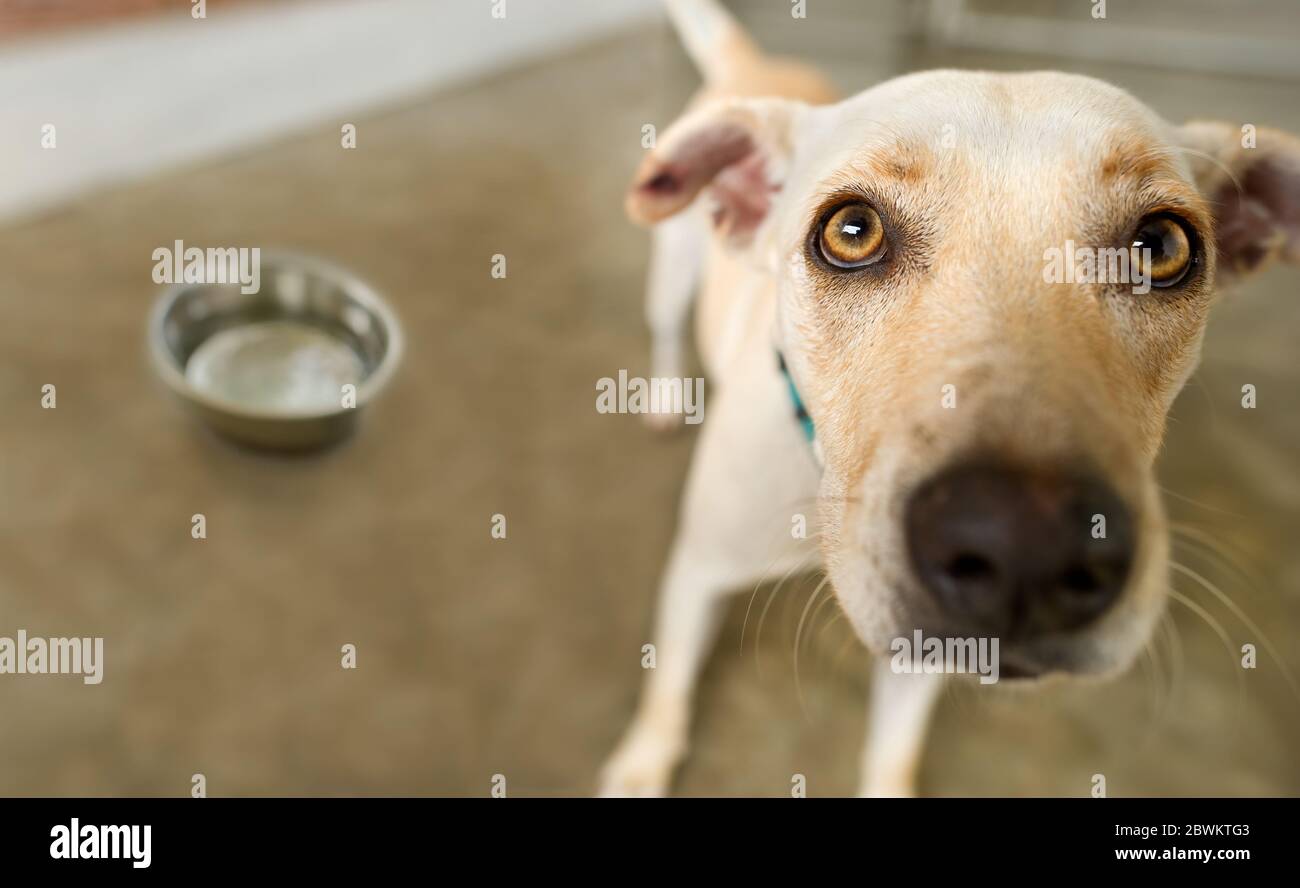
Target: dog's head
(988,360)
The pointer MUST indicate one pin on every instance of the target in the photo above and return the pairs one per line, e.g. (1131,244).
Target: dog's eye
(852,236)
(1170,243)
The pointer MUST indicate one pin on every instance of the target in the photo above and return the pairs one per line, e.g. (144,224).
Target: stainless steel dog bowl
(272,369)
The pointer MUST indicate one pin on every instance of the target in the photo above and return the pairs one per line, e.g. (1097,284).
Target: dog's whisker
(1216,549)
(764,576)
(1216,561)
(1163,678)
(749,606)
(1220,559)
(814,633)
(758,634)
(847,645)
(762,617)
(1218,630)
(1174,642)
(758,584)
(798,633)
(1187,499)
(827,599)
(1162,682)
(1250,624)
(836,615)
(1163,640)
(1150,678)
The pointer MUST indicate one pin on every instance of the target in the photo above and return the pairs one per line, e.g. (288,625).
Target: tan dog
(978,419)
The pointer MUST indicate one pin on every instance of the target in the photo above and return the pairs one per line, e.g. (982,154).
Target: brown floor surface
(520,656)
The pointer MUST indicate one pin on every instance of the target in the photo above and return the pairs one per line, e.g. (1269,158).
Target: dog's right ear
(738,149)
(1253,185)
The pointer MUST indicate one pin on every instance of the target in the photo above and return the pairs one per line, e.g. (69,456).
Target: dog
(883,337)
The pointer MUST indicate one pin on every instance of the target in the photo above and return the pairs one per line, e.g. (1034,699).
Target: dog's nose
(1015,554)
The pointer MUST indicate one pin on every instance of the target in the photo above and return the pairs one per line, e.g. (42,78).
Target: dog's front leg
(897,719)
(702,572)
(692,598)
(750,471)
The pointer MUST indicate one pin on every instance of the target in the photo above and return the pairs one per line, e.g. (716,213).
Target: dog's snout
(1017,554)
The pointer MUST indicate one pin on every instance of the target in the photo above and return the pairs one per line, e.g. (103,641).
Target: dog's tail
(713,38)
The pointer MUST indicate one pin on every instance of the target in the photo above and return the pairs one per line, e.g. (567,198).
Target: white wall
(128,100)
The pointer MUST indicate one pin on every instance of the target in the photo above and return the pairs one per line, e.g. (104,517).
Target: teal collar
(800,411)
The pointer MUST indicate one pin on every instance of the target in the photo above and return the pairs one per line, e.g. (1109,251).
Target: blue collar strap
(800,411)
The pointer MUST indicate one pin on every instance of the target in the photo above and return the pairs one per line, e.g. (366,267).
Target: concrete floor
(520,656)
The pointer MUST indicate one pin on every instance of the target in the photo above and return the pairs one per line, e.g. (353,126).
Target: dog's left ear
(1251,178)
(737,149)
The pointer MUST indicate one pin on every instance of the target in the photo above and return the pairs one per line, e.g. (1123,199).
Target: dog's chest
(734,315)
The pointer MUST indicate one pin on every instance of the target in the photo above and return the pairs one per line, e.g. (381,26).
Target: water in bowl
(275,366)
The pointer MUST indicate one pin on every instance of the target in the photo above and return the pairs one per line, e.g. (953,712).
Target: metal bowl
(273,368)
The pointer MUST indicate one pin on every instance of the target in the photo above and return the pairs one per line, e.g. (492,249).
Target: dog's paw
(641,767)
